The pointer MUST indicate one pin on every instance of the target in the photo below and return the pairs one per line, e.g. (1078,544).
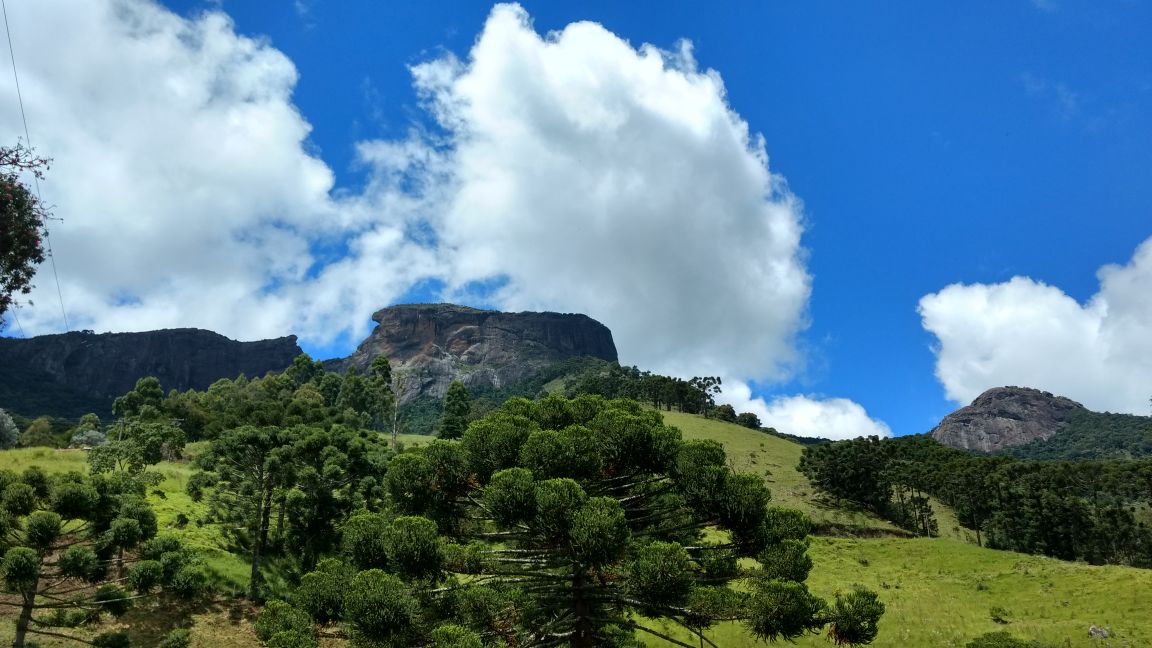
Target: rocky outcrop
(1006,417)
(430,345)
(73,373)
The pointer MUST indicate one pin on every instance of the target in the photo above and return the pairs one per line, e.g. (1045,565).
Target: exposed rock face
(88,370)
(430,345)
(1005,417)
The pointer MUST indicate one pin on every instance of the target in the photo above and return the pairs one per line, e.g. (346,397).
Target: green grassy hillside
(941,592)
(938,592)
(775,459)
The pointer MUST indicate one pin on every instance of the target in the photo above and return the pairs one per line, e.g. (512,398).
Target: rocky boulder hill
(1006,417)
(430,345)
(74,373)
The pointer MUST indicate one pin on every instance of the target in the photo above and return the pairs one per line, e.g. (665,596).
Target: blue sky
(928,144)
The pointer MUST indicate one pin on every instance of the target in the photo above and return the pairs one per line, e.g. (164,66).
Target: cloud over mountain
(1024,332)
(568,171)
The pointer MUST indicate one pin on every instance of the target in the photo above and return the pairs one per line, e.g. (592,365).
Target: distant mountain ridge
(1033,424)
(70,374)
(430,345)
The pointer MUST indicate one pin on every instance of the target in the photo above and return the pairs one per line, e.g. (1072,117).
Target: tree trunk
(25,618)
(259,540)
(583,635)
(280,518)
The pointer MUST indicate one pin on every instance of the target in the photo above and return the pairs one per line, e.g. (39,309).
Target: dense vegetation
(1094,511)
(550,522)
(583,521)
(1092,435)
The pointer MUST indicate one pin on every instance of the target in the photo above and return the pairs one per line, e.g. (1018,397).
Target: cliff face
(73,373)
(1005,417)
(430,345)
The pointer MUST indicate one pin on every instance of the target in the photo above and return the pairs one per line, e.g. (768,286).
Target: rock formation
(1005,417)
(430,345)
(73,373)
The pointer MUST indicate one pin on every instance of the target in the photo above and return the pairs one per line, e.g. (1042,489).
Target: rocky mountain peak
(1005,417)
(430,345)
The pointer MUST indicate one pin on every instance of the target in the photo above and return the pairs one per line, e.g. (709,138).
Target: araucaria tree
(573,522)
(457,407)
(64,540)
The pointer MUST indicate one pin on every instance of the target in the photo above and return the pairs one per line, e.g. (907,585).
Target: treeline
(1093,435)
(1095,511)
(696,395)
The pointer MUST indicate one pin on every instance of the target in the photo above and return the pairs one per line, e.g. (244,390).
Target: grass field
(940,592)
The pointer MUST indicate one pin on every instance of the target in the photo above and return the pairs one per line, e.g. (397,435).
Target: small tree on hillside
(59,539)
(457,407)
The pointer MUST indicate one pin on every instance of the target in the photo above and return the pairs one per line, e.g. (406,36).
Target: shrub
(178,638)
(279,617)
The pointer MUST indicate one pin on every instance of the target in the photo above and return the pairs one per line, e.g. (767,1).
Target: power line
(28,138)
(17,320)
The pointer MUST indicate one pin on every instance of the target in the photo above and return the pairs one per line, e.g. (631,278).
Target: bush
(379,607)
(178,638)
(112,640)
(454,636)
(321,593)
(278,617)
(1002,639)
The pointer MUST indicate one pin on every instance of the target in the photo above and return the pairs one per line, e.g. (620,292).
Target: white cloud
(1023,332)
(596,177)
(182,174)
(810,416)
(572,171)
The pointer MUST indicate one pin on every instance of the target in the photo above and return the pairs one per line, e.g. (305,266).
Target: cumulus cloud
(1024,332)
(809,416)
(572,171)
(182,172)
(592,176)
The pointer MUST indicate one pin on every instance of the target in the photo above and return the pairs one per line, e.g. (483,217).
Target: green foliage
(42,530)
(1093,435)
(379,608)
(278,617)
(659,574)
(454,636)
(22,217)
(178,638)
(40,433)
(1085,510)
(112,599)
(853,618)
(21,569)
(783,609)
(412,548)
(457,407)
(321,593)
(748,420)
(112,640)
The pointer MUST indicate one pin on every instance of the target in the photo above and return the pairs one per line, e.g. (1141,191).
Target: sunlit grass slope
(775,459)
(941,592)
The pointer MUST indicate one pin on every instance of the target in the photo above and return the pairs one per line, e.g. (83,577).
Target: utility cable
(28,138)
